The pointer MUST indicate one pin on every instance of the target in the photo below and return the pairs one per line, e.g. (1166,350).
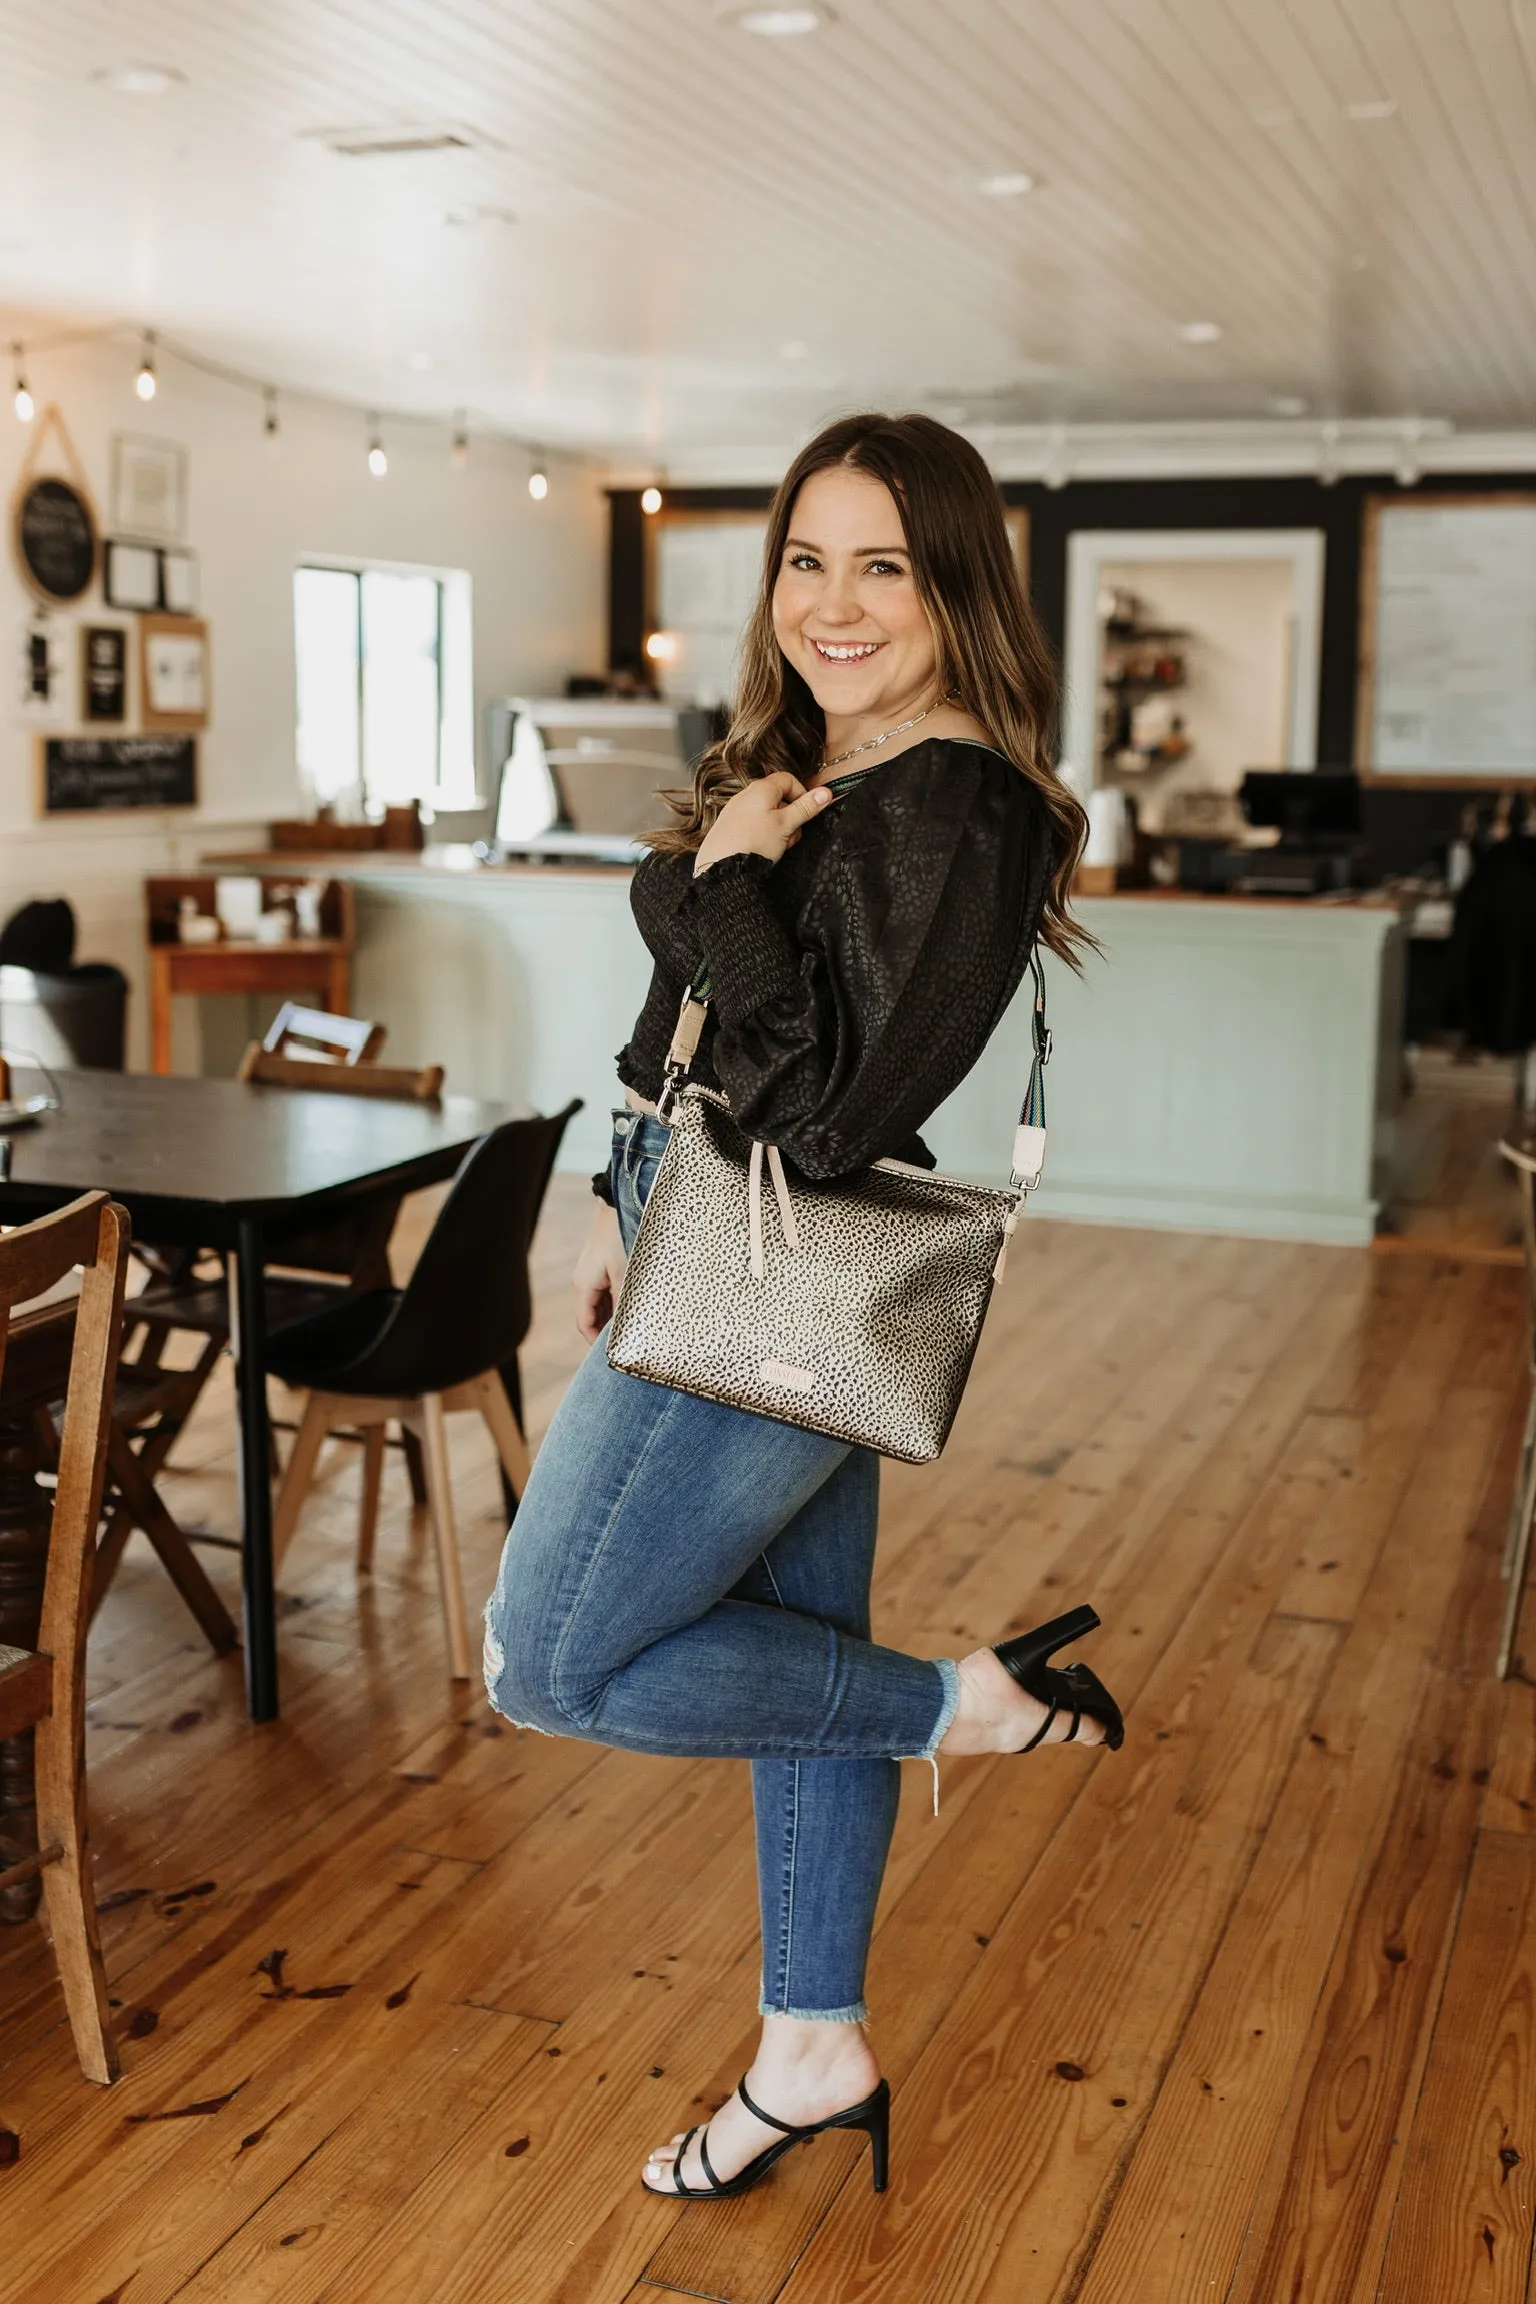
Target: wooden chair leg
(440,1502)
(1522,1481)
(511,1447)
(1525,1505)
(368,1503)
(69,1894)
(416,1471)
(142,1503)
(301,1471)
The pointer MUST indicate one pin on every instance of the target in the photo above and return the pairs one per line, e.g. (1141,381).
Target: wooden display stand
(320,966)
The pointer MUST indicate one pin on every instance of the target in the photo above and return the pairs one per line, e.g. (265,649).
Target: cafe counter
(1221,1065)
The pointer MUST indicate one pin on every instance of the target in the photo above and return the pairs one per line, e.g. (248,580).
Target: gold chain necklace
(873,743)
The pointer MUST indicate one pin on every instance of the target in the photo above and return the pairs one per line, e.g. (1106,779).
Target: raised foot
(996,1715)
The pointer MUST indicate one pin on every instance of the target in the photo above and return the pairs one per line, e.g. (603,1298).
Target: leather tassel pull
(787,1222)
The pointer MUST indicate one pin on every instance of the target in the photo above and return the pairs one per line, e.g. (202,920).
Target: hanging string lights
(146,384)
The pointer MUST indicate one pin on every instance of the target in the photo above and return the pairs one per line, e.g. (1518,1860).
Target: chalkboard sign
(81,773)
(56,538)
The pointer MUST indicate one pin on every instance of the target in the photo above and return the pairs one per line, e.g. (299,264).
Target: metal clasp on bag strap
(685,1041)
(1029,1135)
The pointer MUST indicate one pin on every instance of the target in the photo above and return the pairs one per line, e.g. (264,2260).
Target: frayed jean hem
(857,2014)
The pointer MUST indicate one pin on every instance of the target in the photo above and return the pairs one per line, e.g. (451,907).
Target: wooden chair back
(314,1036)
(45,1689)
(92,1233)
(305,1048)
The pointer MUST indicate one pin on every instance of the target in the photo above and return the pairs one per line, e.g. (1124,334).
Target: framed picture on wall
(149,488)
(131,576)
(173,672)
(104,672)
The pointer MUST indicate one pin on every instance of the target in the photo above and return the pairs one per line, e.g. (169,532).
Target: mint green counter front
(1221,1066)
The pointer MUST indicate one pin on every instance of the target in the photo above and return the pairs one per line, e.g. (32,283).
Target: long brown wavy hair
(992,656)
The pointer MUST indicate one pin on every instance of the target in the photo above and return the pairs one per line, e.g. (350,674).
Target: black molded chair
(447,1340)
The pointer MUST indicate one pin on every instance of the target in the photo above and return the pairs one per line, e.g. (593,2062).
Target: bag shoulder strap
(1028,1136)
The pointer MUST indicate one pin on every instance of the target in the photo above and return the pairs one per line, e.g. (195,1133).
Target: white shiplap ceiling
(716,237)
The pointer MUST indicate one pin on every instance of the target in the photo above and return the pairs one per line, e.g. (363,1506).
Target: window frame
(455,600)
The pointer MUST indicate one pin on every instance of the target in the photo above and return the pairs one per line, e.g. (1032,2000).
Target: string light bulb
(650,499)
(538,478)
(378,462)
(269,420)
(145,382)
(459,452)
(22,401)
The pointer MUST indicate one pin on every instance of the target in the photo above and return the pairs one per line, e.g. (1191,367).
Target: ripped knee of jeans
(493,1664)
(522,1680)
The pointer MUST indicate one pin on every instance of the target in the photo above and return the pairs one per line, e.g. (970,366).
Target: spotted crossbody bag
(862,1316)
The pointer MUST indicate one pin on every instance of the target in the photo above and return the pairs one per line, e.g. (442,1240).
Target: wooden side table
(320,966)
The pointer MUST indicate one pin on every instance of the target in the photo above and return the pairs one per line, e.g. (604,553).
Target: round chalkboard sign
(56,538)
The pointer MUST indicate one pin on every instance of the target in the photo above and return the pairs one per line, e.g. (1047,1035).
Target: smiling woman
(686,1576)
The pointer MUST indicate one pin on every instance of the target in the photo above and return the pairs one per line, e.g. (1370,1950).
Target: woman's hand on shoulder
(599,1272)
(764,818)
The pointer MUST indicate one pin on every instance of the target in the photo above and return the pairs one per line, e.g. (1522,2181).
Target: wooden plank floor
(1243,2013)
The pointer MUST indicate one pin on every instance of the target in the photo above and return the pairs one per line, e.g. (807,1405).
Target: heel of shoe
(1025,1653)
(877,2124)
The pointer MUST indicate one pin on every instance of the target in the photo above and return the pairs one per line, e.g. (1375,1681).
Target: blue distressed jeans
(685,1577)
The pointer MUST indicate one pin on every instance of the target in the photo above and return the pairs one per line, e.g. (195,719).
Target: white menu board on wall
(1448,657)
(707,571)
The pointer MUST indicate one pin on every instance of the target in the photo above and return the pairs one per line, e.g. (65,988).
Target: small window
(385,697)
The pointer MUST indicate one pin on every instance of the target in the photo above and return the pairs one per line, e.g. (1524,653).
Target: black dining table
(232,1165)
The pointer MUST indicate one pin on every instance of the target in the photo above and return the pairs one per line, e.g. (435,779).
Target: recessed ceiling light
(777,23)
(475,214)
(397,139)
(1007,184)
(1200,331)
(138,79)
(1371,108)
(1287,404)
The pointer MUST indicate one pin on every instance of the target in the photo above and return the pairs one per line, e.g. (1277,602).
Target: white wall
(540,584)
(1238,617)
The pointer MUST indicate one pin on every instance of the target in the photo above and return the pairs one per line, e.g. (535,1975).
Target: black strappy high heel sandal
(873,2115)
(1071,1688)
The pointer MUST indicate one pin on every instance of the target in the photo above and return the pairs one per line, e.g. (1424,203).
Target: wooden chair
(1522,1509)
(147,1411)
(45,1689)
(446,1341)
(306,1048)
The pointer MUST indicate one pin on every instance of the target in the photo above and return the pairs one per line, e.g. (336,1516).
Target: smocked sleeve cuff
(752,958)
